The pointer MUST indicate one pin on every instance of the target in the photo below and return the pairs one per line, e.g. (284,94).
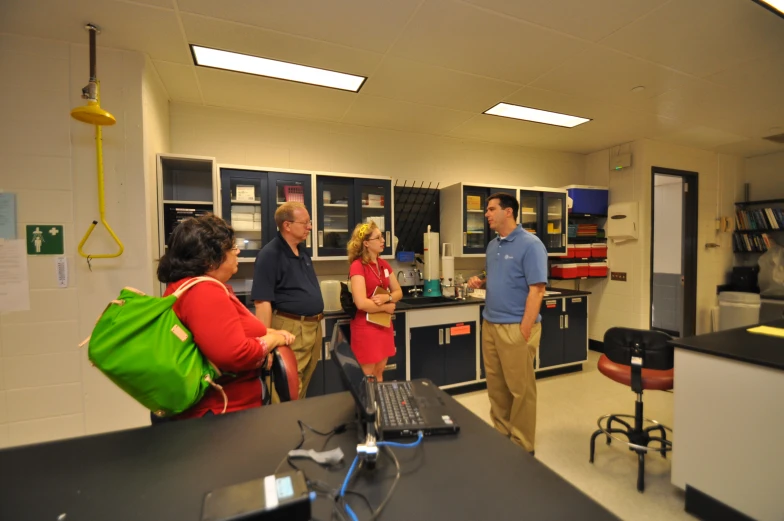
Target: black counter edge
(705,507)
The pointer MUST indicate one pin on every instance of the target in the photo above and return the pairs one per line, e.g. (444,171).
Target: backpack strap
(188,285)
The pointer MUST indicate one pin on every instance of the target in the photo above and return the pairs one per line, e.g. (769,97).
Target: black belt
(303,318)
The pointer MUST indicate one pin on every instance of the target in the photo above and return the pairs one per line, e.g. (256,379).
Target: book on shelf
(759,219)
(751,242)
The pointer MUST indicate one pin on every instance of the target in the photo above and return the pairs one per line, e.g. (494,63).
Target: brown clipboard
(381,319)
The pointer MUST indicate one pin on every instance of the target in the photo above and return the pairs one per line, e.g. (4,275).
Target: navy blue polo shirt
(513,263)
(286,280)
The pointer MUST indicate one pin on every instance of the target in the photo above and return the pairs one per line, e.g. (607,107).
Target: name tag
(386,273)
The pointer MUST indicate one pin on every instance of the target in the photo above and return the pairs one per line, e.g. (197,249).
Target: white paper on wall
(14,284)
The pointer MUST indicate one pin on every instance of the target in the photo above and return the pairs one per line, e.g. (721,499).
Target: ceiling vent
(778,138)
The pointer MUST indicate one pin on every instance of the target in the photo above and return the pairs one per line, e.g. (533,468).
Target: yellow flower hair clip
(364,229)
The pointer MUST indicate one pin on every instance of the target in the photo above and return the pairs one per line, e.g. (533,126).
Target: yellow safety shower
(93,114)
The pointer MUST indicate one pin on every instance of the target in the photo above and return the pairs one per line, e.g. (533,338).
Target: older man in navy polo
(516,266)
(286,290)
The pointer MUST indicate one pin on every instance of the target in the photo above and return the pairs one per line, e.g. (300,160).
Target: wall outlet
(618,275)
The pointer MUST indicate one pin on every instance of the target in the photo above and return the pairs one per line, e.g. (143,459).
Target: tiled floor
(567,410)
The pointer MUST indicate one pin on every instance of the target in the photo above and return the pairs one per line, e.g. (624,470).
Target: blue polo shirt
(513,263)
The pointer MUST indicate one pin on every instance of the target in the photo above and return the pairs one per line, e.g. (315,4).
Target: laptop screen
(351,372)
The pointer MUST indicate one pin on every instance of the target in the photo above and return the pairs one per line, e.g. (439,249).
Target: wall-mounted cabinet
(249,199)
(187,187)
(342,203)
(463,222)
(542,212)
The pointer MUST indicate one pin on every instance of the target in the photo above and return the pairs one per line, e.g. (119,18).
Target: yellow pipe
(101,201)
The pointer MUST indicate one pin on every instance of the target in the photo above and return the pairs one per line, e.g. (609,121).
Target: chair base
(637,438)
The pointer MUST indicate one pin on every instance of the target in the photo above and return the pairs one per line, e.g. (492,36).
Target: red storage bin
(597,269)
(599,250)
(582,251)
(564,271)
(583,269)
(569,252)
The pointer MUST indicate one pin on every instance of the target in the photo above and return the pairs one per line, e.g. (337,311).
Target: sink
(425,301)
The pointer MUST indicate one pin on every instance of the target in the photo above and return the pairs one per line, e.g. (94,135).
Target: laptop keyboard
(397,407)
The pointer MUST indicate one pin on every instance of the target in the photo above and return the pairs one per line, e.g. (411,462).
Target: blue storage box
(588,199)
(405,256)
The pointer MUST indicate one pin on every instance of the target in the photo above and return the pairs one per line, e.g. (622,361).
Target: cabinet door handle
(465,238)
(561,317)
(387,239)
(327,351)
(563,239)
(308,241)
(566,321)
(321,239)
(440,337)
(448,335)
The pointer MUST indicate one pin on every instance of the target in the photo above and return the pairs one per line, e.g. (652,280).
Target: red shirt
(370,342)
(228,335)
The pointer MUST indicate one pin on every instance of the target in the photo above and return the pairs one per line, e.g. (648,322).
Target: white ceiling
(712,69)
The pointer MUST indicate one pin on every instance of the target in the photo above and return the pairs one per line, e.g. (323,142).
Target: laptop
(399,409)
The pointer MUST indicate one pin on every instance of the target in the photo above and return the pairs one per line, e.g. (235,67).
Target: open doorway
(674,251)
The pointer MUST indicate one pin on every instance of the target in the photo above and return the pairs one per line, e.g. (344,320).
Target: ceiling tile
(751,148)
(123,25)
(461,37)
(430,85)
(244,91)
(701,137)
(362,24)
(179,80)
(716,106)
(761,80)
(504,130)
(608,76)
(590,20)
(371,111)
(702,37)
(278,46)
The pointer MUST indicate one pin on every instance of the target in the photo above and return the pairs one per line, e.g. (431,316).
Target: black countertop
(739,344)
(163,473)
(428,303)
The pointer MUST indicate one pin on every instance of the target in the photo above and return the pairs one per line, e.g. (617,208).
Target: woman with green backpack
(226,332)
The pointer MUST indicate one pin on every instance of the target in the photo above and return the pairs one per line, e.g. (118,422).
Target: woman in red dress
(372,344)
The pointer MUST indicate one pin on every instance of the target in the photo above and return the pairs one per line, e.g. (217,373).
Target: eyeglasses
(379,238)
(303,223)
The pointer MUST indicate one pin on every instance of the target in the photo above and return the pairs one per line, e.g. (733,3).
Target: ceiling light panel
(537,116)
(232,61)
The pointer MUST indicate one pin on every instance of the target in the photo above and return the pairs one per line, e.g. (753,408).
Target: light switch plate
(618,275)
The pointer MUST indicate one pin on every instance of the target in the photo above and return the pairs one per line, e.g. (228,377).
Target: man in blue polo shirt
(516,267)
(286,290)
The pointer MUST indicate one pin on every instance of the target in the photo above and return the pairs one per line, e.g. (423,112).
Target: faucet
(415,292)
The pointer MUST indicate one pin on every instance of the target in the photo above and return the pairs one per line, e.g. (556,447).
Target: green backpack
(141,345)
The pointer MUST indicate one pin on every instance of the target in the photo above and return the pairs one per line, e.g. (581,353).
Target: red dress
(228,335)
(371,343)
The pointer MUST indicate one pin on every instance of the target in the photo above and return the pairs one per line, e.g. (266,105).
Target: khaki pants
(511,384)
(306,347)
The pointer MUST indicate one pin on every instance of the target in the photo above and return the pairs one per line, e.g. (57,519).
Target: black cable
(394,483)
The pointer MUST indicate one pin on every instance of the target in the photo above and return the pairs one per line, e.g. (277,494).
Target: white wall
(48,389)
(667,234)
(720,184)
(766,176)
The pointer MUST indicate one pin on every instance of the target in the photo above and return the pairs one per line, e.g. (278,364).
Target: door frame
(689,246)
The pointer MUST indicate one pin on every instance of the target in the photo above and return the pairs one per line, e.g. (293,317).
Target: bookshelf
(757,225)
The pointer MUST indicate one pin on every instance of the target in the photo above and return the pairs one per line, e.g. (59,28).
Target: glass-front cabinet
(475,229)
(249,199)
(343,202)
(530,211)
(554,214)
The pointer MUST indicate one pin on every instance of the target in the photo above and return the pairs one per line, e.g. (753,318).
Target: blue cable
(402,445)
(411,445)
(348,476)
(350,512)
